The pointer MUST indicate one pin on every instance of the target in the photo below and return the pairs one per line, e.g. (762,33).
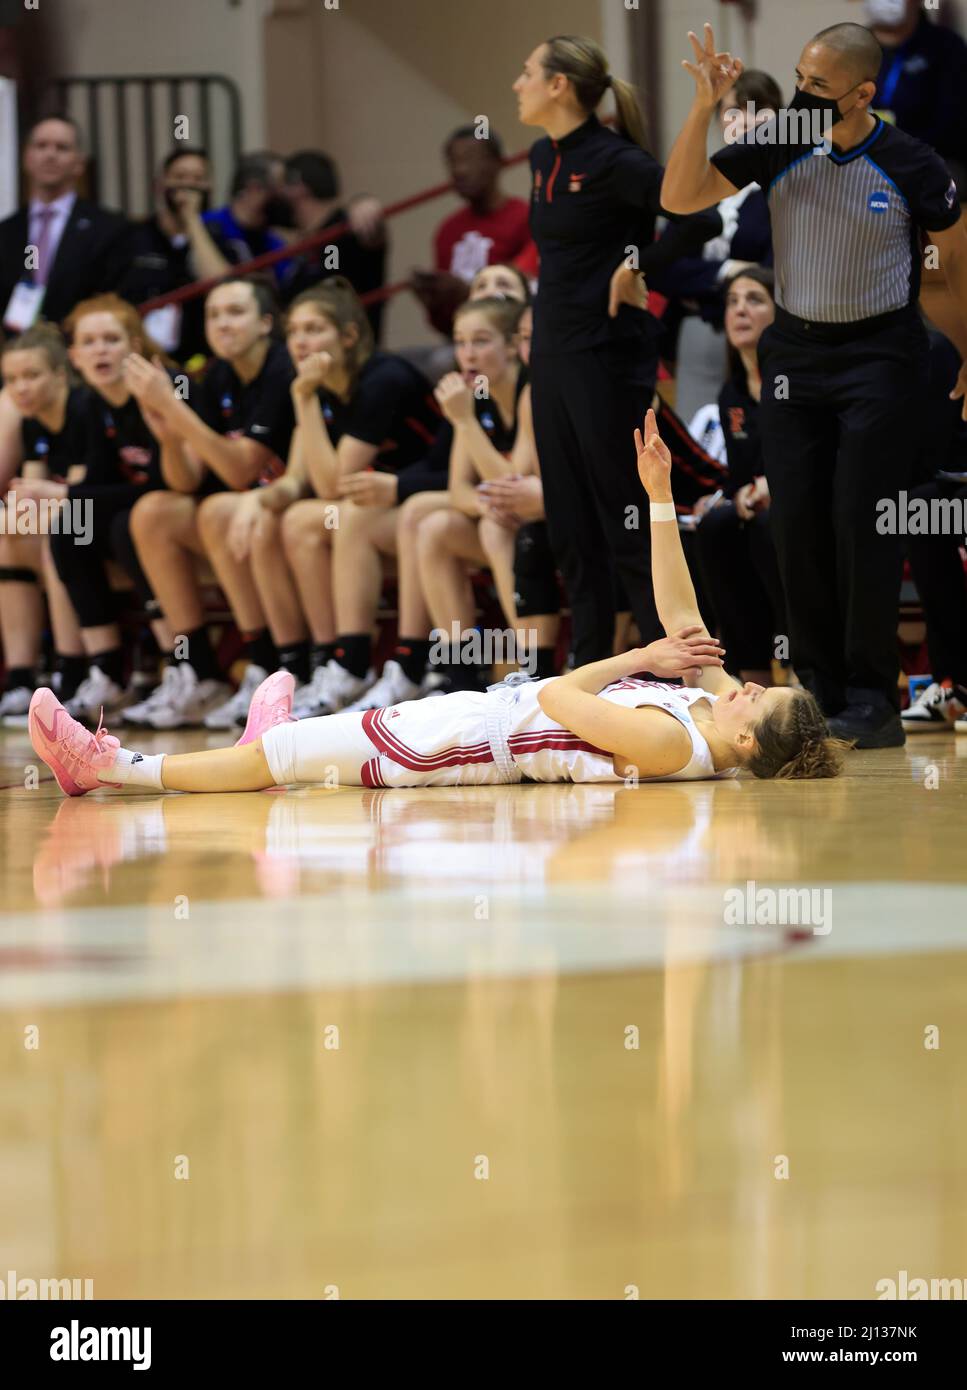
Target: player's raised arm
(674,592)
(691,182)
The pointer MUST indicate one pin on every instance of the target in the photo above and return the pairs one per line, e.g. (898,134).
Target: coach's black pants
(838,421)
(738,563)
(586,406)
(939,577)
(81,567)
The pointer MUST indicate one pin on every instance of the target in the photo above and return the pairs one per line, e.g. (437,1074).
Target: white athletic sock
(134,770)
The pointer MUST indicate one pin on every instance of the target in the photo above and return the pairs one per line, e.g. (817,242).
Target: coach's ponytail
(630,121)
(584,65)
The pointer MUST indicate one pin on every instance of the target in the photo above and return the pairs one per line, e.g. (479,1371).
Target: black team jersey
(260,409)
(121,455)
(391,407)
(739,415)
(595,196)
(502,437)
(61,450)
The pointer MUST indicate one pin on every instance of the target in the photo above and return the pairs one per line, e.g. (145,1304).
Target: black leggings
(741,580)
(535,574)
(939,577)
(81,567)
(586,406)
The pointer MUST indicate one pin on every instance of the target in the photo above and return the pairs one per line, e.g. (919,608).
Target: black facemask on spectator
(193,188)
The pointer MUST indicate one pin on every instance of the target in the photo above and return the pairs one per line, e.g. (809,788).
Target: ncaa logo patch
(879,202)
(950,196)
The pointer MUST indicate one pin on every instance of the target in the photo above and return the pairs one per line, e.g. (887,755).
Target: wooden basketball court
(502,1042)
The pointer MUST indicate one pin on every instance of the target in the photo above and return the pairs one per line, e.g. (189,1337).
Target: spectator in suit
(79,248)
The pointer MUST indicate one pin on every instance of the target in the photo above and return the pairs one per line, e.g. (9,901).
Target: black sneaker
(869,726)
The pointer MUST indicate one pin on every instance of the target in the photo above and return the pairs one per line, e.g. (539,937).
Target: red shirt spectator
(469,240)
(491,230)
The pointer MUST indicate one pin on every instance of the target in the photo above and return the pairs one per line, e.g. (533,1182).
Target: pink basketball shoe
(73,754)
(271,705)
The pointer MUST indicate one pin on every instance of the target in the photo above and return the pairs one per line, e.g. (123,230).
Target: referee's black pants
(838,419)
(586,406)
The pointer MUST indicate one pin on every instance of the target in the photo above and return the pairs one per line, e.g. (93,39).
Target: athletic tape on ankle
(663,511)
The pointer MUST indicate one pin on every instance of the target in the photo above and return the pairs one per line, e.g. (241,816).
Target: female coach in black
(594,359)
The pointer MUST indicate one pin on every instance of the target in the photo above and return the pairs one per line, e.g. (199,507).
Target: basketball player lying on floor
(597,724)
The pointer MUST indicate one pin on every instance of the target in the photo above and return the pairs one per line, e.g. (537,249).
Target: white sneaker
(331,689)
(162,694)
(435,683)
(96,692)
(235,709)
(392,688)
(182,700)
(933,711)
(15,703)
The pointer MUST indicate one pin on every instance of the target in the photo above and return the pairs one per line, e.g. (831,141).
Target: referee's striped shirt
(845,227)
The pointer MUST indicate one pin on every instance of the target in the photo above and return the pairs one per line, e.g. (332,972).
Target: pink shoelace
(98,747)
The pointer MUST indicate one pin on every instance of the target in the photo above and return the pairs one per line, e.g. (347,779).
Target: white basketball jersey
(545,752)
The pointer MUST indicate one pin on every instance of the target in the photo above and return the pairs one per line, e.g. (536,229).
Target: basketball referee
(844,365)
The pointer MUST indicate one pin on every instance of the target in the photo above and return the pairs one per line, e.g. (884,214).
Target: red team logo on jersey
(538,180)
(576,183)
(135,462)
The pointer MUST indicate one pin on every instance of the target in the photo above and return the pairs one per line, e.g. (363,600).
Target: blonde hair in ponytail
(584,65)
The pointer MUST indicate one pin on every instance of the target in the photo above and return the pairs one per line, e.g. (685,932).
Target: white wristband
(663,511)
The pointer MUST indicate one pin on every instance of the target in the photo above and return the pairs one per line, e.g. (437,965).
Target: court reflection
(447,840)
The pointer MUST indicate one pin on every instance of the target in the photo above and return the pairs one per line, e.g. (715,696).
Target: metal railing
(129,123)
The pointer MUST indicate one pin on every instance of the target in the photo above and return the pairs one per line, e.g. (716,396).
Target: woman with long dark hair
(740,572)
(594,203)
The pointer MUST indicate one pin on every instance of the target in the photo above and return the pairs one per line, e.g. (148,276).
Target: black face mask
(195,188)
(809,101)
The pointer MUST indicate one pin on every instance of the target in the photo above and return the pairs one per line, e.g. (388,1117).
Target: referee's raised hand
(714,73)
